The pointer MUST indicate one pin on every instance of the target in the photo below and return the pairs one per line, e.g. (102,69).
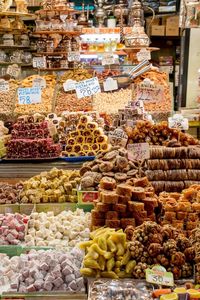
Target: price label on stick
(29,95)
(13,70)
(149,93)
(74,56)
(39,82)
(118,137)
(158,275)
(39,62)
(87,87)
(69,85)
(138,151)
(110,84)
(108,59)
(4,85)
(178,122)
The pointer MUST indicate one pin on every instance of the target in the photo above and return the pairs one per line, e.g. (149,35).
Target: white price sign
(159,275)
(29,95)
(4,85)
(39,62)
(108,59)
(139,105)
(143,54)
(39,82)
(69,85)
(87,87)
(138,151)
(118,137)
(178,122)
(110,84)
(13,70)
(74,56)
(149,93)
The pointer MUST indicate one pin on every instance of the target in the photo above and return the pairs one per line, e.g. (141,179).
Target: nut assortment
(87,139)
(112,101)
(113,164)
(70,102)
(120,205)
(7,98)
(77,75)
(63,231)
(159,134)
(53,186)
(181,210)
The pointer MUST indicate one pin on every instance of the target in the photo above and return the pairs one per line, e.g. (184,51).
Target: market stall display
(55,186)
(63,231)
(30,138)
(7,97)
(113,164)
(9,193)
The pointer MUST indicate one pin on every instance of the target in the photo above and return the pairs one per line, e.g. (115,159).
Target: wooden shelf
(11,63)
(50,53)
(13,47)
(119,52)
(13,30)
(137,49)
(54,69)
(61,32)
(63,11)
(16,14)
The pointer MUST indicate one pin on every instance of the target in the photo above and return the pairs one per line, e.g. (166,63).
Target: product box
(172,21)
(172,30)
(158,30)
(87,197)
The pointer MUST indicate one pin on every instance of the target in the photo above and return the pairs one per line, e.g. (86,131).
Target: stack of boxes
(168,26)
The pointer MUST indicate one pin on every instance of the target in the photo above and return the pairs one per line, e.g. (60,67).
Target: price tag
(158,275)
(139,105)
(29,95)
(39,62)
(13,70)
(149,93)
(178,122)
(138,151)
(39,82)
(118,137)
(74,56)
(143,54)
(108,59)
(87,87)
(4,85)
(69,85)
(110,84)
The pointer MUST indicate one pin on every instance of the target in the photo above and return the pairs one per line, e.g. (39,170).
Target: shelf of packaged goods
(15,14)
(11,63)
(13,47)
(20,170)
(61,32)
(54,69)
(50,53)
(136,49)
(118,52)
(13,30)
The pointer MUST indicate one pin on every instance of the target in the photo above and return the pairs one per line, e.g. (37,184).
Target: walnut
(183,243)
(169,247)
(136,248)
(161,259)
(129,232)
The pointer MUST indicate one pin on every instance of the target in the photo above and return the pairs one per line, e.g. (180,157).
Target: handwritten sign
(69,85)
(149,93)
(39,62)
(143,54)
(139,105)
(29,95)
(118,137)
(178,122)
(158,275)
(74,56)
(4,85)
(110,84)
(138,151)
(87,87)
(39,82)
(108,59)
(13,70)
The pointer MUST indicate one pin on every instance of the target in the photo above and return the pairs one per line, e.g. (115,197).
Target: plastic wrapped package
(46,99)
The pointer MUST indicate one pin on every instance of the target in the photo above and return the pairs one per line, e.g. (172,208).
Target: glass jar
(26,57)
(49,45)
(41,45)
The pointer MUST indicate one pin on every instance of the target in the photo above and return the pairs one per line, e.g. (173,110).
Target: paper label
(138,151)
(118,137)
(178,122)
(149,93)
(139,105)
(74,56)
(108,59)
(29,95)
(39,82)
(69,85)
(143,54)
(110,84)
(39,62)
(4,86)
(13,70)
(159,276)
(87,87)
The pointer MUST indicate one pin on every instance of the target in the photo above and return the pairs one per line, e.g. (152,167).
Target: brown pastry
(181,215)
(108,183)
(138,193)
(103,207)
(123,199)
(97,214)
(119,207)
(124,190)
(169,216)
(127,222)
(111,215)
(113,223)
(109,197)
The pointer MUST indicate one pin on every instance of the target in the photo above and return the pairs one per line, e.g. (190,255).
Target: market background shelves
(13,47)
(61,11)
(16,14)
(51,53)
(61,32)
(11,63)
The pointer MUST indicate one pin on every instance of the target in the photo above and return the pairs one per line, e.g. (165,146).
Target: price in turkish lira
(39,82)
(13,70)
(39,62)
(74,56)
(138,151)
(159,277)
(87,87)
(29,95)
(178,123)
(4,86)
(149,93)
